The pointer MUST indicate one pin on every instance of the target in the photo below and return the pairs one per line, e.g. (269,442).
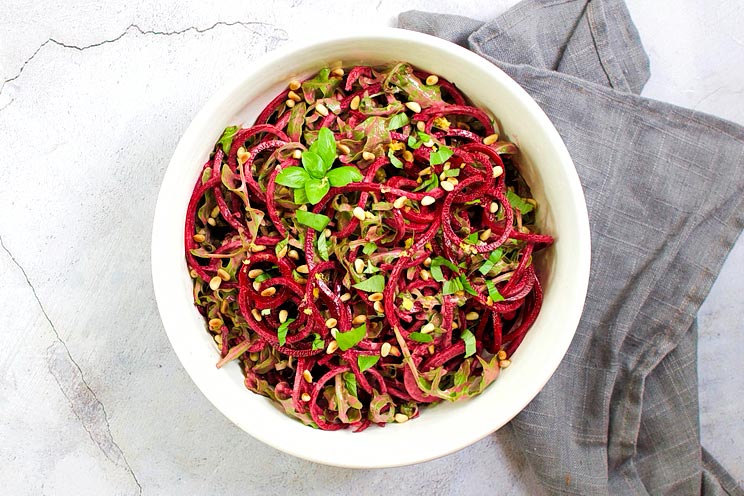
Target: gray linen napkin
(665,192)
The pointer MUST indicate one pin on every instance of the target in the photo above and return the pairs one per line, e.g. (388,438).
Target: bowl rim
(162,285)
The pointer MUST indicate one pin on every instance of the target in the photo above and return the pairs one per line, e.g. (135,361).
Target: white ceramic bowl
(444,428)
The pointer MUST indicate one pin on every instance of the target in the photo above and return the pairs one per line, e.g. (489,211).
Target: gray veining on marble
(94,100)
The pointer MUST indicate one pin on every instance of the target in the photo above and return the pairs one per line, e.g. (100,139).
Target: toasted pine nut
(305,397)
(358,212)
(421,125)
(345,297)
(257,248)
(447,186)
(256,315)
(493,208)
(270,291)
(359,319)
(293,254)
(215,324)
(414,107)
(199,238)
(289,103)
(427,262)
(401,417)
(354,104)
(497,170)
(368,155)
(491,139)
(215,282)
(345,150)
(485,235)
(307,376)
(321,109)
(472,316)
(211,221)
(294,96)
(385,349)
(427,200)
(378,307)
(283,314)
(223,274)
(432,80)
(297,154)
(294,85)
(504,363)
(427,328)
(331,322)
(425,276)
(407,156)
(303,269)
(400,201)
(359,265)
(376,297)
(332,346)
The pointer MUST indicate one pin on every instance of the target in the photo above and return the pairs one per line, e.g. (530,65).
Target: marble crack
(68,375)
(136,28)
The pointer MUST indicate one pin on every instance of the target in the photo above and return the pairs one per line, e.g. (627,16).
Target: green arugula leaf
(369,248)
(313,164)
(421,337)
(397,121)
(350,383)
(282,331)
(309,219)
(493,292)
(492,260)
(323,246)
(397,163)
(318,342)
(325,147)
(440,156)
(452,286)
(517,202)
(469,339)
(292,177)
(375,284)
(367,361)
(349,339)
(300,198)
(316,189)
(227,138)
(341,176)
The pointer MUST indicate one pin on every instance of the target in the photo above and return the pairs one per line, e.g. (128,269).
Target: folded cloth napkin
(665,191)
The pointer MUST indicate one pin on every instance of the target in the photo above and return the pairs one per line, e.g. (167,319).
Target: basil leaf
(452,286)
(394,160)
(440,156)
(292,177)
(282,331)
(517,202)
(369,248)
(375,284)
(472,238)
(280,245)
(453,173)
(316,189)
(421,337)
(262,277)
(492,260)
(367,361)
(397,121)
(309,219)
(429,184)
(371,269)
(350,383)
(493,292)
(467,286)
(436,268)
(300,198)
(323,246)
(227,138)
(349,339)
(325,147)
(341,176)
(313,163)
(318,342)
(413,143)
(423,136)
(469,339)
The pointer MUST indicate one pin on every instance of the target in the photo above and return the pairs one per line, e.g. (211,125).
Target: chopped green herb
(292,177)
(323,246)
(369,248)
(421,337)
(472,238)
(347,340)
(493,292)
(375,284)
(492,260)
(436,268)
(440,156)
(281,245)
(367,361)
(519,203)
(318,342)
(397,163)
(397,121)
(452,286)
(227,137)
(469,340)
(341,176)
(350,383)
(309,219)
(282,331)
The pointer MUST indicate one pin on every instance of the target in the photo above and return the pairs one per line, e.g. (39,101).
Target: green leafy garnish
(309,219)
(493,292)
(282,331)
(452,286)
(397,163)
(350,383)
(323,246)
(519,203)
(469,339)
(318,342)
(262,277)
(421,337)
(436,268)
(397,121)
(227,137)
(472,238)
(281,245)
(375,284)
(440,156)
(454,173)
(466,286)
(369,248)
(492,260)
(349,339)
(314,179)
(367,361)
(429,184)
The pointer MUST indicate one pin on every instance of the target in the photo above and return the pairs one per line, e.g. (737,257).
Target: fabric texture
(665,192)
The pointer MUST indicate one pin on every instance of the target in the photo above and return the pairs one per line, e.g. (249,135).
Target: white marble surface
(94,99)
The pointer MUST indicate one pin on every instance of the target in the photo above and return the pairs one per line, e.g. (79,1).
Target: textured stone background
(94,99)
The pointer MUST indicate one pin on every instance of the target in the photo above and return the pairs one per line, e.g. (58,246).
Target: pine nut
(427,262)
(497,170)
(425,276)
(331,322)
(401,417)
(359,265)
(199,238)
(394,351)
(368,155)
(294,85)
(447,186)
(218,339)
(345,150)
(427,328)
(321,109)
(493,208)
(485,234)
(414,107)
(332,346)
(294,96)
(211,222)
(378,307)
(472,316)
(501,355)
(345,297)
(305,397)
(223,274)
(290,103)
(400,201)
(407,156)
(504,363)
(293,254)
(359,213)
(256,315)
(491,139)
(215,324)
(359,319)
(256,285)
(432,80)
(376,297)
(283,314)
(257,248)
(303,269)
(427,200)
(297,154)
(421,125)
(271,291)
(215,282)
(385,349)
(254,273)
(354,104)
(307,376)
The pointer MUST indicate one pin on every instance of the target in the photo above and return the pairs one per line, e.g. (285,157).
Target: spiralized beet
(365,248)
